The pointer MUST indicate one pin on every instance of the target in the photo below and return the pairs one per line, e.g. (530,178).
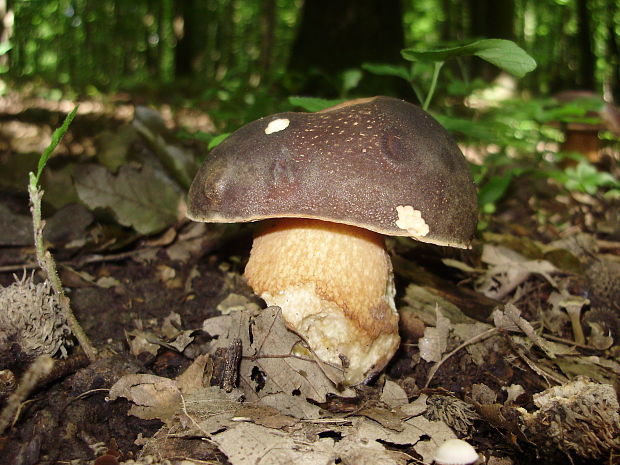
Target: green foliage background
(107,45)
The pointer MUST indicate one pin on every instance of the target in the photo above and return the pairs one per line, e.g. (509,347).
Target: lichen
(457,414)
(31,320)
(580,418)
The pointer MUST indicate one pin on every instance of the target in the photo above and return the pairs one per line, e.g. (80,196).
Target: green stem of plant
(431,91)
(414,86)
(47,264)
(463,69)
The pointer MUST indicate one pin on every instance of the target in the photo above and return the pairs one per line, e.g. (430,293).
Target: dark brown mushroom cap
(381,164)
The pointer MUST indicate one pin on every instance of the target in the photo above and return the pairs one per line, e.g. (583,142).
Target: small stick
(39,369)
(473,340)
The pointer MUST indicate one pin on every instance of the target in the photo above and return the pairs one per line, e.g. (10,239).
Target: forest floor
(189,370)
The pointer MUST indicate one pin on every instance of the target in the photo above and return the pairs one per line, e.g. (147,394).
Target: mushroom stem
(334,284)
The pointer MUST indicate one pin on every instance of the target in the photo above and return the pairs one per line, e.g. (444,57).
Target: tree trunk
(267,26)
(584,45)
(612,80)
(492,19)
(335,35)
(185,50)
(6,27)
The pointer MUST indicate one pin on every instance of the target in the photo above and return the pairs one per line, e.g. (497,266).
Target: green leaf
(504,54)
(586,178)
(5,47)
(494,189)
(217,140)
(350,79)
(142,199)
(56,138)
(313,104)
(384,69)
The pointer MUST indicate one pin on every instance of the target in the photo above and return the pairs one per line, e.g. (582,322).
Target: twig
(39,369)
(473,340)
(95,258)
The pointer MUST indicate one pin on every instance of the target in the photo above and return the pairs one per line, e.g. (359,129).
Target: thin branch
(473,340)
(39,369)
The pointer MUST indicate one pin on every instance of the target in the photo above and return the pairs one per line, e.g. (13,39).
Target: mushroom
(330,185)
(456,452)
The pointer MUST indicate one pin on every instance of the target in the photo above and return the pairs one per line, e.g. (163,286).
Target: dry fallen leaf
(145,199)
(508,269)
(250,444)
(269,368)
(153,397)
(510,319)
(435,341)
(423,302)
(393,395)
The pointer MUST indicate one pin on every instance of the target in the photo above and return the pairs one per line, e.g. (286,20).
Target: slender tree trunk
(586,55)
(267,25)
(226,35)
(492,19)
(6,27)
(612,78)
(187,47)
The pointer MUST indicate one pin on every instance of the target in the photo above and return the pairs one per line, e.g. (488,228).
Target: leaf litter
(276,419)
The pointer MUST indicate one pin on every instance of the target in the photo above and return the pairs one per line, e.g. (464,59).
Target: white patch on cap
(277,125)
(411,220)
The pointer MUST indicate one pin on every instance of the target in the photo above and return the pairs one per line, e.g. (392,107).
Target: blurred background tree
(218,48)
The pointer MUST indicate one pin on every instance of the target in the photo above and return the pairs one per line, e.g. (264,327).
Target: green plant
(504,54)
(586,178)
(44,257)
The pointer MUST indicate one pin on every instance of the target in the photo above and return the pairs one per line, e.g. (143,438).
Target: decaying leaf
(113,146)
(15,229)
(393,395)
(509,269)
(270,369)
(479,352)
(596,368)
(423,302)
(234,302)
(252,432)
(435,341)
(192,378)
(141,342)
(143,199)
(249,444)
(510,319)
(153,397)
(367,432)
(358,442)
(165,335)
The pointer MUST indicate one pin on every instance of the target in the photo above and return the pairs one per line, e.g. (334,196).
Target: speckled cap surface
(381,163)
